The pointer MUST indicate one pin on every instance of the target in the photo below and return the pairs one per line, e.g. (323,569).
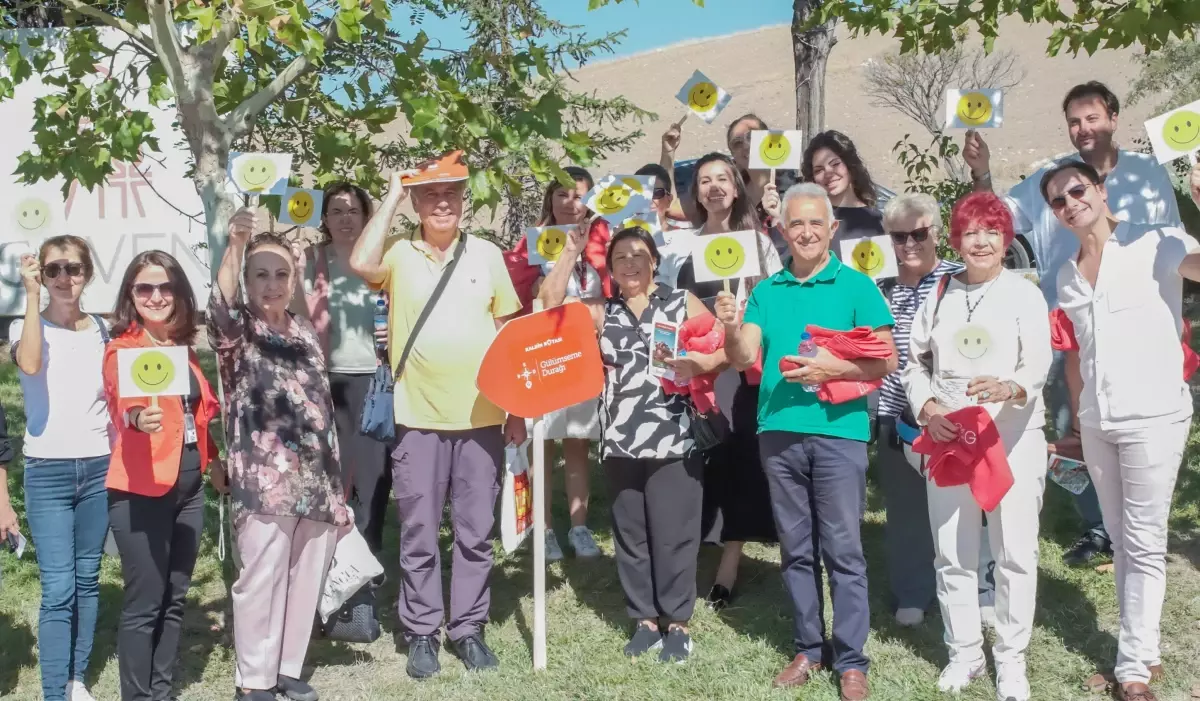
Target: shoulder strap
(943,283)
(99,322)
(433,299)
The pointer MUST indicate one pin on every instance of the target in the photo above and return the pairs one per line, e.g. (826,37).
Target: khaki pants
(276,593)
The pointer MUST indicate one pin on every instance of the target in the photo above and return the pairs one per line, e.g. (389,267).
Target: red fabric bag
(976,457)
(700,334)
(859,342)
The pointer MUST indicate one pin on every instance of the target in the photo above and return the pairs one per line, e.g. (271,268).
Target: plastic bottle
(808,349)
(381,319)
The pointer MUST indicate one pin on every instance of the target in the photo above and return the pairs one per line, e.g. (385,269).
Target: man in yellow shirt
(449,437)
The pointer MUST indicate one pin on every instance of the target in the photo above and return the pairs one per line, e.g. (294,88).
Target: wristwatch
(1013,389)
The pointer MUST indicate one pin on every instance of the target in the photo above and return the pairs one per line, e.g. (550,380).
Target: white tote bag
(516,500)
(353,566)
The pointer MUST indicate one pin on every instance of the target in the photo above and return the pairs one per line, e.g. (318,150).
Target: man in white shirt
(1139,191)
(1123,293)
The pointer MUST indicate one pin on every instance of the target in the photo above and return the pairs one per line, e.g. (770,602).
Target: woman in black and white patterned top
(653,473)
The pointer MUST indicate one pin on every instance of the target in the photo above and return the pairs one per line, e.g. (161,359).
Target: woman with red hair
(576,426)
(983,338)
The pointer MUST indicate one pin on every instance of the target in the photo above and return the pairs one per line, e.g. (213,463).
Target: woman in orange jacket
(155,483)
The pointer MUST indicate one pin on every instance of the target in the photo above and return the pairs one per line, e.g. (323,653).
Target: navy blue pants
(820,482)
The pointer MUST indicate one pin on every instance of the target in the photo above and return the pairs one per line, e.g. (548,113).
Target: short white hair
(916,205)
(801,191)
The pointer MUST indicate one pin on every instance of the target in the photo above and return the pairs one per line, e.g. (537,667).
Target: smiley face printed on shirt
(972,341)
(867,258)
(153,372)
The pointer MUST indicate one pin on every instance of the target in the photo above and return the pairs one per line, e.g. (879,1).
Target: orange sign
(543,362)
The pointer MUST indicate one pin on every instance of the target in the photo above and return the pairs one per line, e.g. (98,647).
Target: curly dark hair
(843,147)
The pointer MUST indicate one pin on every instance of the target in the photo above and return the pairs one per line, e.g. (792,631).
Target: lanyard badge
(189,426)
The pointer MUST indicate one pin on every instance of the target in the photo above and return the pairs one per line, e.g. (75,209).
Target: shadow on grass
(16,651)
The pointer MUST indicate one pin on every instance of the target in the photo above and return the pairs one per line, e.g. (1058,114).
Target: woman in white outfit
(1123,293)
(990,344)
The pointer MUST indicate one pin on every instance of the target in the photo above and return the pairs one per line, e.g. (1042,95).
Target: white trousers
(1012,530)
(1134,471)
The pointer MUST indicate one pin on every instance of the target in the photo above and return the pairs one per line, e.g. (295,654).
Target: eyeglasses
(1058,204)
(917,235)
(146,290)
(659,193)
(51,270)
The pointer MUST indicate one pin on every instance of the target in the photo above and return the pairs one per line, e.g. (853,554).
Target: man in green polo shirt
(814,453)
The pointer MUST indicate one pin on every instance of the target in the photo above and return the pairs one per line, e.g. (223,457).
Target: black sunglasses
(146,290)
(659,193)
(51,270)
(917,235)
(1059,203)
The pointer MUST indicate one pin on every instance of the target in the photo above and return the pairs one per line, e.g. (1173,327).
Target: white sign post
(539,535)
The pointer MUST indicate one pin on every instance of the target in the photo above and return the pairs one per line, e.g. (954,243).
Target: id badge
(189,429)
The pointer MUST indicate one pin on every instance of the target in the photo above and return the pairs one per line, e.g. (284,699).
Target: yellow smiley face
(1181,130)
(972,342)
(153,372)
(703,96)
(31,215)
(613,199)
(974,109)
(256,173)
(637,223)
(300,207)
(724,256)
(551,243)
(867,257)
(774,150)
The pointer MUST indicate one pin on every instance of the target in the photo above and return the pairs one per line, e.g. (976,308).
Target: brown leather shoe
(1135,691)
(1101,682)
(854,686)
(796,673)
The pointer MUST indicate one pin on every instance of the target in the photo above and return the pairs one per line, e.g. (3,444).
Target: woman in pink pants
(283,460)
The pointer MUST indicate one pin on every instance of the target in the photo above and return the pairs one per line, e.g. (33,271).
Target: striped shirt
(905,301)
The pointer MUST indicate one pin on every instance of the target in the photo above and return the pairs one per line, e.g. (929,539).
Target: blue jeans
(67,508)
(1057,396)
(821,482)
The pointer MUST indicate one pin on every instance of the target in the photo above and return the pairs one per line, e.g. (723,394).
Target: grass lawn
(737,653)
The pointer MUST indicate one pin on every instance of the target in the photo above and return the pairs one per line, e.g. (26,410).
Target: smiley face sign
(153,372)
(872,256)
(648,222)
(260,173)
(618,197)
(703,97)
(728,256)
(1175,134)
(301,207)
(974,109)
(972,341)
(31,217)
(546,243)
(771,150)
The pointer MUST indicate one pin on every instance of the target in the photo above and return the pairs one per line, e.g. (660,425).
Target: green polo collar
(826,274)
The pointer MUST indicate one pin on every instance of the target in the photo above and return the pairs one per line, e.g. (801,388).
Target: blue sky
(651,24)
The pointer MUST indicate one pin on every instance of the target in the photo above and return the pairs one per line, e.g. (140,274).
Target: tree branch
(212,49)
(107,19)
(170,50)
(243,116)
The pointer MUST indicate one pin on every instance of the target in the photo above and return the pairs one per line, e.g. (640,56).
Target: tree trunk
(811,51)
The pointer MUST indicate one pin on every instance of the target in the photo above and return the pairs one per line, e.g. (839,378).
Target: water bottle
(381,319)
(808,349)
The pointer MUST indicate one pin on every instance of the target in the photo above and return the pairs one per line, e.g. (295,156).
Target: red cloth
(699,334)
(857,343)
(1062,338)
(754,372)
(975,458)
(524,275)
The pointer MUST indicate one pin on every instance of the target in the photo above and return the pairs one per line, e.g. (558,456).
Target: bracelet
(987,175)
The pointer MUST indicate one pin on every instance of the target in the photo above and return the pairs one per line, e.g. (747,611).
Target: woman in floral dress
(284,472)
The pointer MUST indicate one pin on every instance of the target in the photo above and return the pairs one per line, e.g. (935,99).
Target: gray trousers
(907,535)
(426,465)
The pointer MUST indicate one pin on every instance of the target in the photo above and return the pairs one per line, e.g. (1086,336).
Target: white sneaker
(554,553)
(1011,682)
(582,542)
(959,674)
(76,691)
(987,616)
(910,617)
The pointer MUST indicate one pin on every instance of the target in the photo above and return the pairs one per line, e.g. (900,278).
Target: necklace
(967,298)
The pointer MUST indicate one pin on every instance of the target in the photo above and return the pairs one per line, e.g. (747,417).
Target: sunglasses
(659,193)
(1058,204)
(51,270)
(146,290)
(917,235)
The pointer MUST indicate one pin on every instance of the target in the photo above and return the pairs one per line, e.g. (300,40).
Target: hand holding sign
(776,149)
(260,173)
(703,97)
(1176,133)
(974,109)
(728,256)
(153,372)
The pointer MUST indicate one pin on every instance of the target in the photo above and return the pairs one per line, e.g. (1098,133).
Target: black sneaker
(475,654)
(645,639)
(253,695)
(677,646)
(422,657)
(1089,546)
(719,597)
(295,689)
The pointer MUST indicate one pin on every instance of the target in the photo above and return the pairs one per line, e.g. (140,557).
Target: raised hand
(243,225)
(725,309)
(977,154)
(770,201)
(31,275)
(672,137)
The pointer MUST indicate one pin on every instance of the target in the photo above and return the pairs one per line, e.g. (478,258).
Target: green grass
(737,652)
